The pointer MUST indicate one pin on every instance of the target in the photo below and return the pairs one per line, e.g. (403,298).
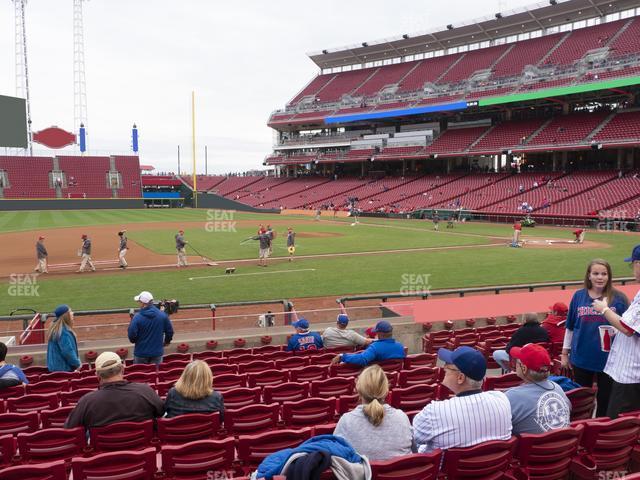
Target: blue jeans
(147,360)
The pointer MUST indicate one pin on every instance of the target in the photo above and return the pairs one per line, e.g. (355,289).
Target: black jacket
(528,333)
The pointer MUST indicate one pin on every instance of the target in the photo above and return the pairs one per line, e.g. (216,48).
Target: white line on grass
(231,275)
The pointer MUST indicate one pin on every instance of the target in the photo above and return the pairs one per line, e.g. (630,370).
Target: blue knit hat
(61,310)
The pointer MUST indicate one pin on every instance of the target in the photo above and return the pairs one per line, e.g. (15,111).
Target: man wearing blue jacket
(385,348)
(150,330)
(303,338)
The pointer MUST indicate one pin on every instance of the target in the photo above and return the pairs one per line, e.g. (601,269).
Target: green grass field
(465,266)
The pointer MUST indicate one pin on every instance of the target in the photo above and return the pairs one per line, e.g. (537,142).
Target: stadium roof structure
(539,16)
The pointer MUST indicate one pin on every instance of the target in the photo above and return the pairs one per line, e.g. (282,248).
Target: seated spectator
(303,339)
(469,418)
(340,336)
(384,348)
(116,399)
(10,375)
(555,321)
(530,332)
(193,392)
(540,404)
(62,345)
(374,428)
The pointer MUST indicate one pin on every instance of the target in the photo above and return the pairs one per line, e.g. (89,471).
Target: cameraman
(150,329)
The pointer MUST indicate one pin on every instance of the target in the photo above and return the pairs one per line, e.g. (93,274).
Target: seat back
(611,443)
(285,392)
(141,368)
(55,418)
(548,455)
(583,402)
(223,369)
(253,449)
(84,382)
(408,467)
(292,362)
(241,397)
(43,471)
(141,377)
(139,465)
(207,355)
(332,387)
(308,374)
(420,360)
(172,357)
(252,419)
(267,377)
(418,376)
(121,436)
(188,428)
(256,366)
(487,460)
(15,423)
(344,370)
(51,444)
(12,392)
(73,397)
(308,412)
(170,375)
(414,398)
(48,386)
(391,365)
(227,381)
(501,382)
(196,459)
(346,403)
(33,403)
(7,450)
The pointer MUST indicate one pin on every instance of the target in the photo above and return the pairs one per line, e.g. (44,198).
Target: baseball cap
(180,231)
(383,327)
(635,255)
(468,360)
(559,307)
(107,360)
(343,319)
(61,310)
(41,237)
(532,355)
(84,235)
(144,297)
(302,324)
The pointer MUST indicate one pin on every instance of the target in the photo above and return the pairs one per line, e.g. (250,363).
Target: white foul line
(231,275)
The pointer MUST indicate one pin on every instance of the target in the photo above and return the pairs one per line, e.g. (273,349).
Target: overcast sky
(243,59)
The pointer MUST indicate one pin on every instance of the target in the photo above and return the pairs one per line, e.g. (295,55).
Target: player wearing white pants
(181,243)
(86,255)
(123,249)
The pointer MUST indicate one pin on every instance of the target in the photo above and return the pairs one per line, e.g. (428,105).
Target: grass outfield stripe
(6,220)
(229,275)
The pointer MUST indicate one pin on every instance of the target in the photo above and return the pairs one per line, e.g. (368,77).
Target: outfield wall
(211,200)
(70,204)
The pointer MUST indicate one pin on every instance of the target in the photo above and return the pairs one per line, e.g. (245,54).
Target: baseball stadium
(469,195)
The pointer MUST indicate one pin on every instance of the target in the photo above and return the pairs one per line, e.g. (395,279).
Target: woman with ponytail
(374,429)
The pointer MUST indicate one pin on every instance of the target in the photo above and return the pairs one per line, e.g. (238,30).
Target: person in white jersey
(469,418)
(623,363)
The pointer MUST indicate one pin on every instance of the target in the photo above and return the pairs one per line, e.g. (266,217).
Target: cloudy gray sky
(243,59)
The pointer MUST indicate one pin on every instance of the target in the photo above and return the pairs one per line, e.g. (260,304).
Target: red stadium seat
(266,349)
(256,366)
(583,403)
(141,377)
(241,397)
(346,403)
(393,365)
(141,368)
(223,369)
(72,397)
(227,381)
(245,358)
(12,392)
(488,461)
(7,450)
(548,455)
(309,412)
(32,403)
(188,428)
(344,370)
(162,388)
(501,382)
(170,375)
(51,444)
(44,471)
(607,445)
(321,358)
(252,419)
(308,374)
(121,436)
(285,392)
(171,357)
(292,362)
(408,467)
(139,465)
(84,382)
(55,418)
(420,360)
(49,386)
(332,387)
(14,423)
(413,399)
(195,460)
(207,355)
(253,449)
(267,377)
(418,376)
(324,429)
(273,356)
(58,376)
(172,365)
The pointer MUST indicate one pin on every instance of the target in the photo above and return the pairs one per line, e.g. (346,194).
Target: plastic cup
(607,332)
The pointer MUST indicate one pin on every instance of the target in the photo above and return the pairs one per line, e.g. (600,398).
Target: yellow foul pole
(193,147)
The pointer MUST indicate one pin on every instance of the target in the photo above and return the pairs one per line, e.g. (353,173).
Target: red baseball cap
(84,235)
(532,355)
(559,307)
(41,237)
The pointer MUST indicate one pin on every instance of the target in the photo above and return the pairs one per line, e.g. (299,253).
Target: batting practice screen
(13,122)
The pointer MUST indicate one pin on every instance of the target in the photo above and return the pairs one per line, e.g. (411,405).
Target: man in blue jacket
(385,348)
(303,338)
(150,330)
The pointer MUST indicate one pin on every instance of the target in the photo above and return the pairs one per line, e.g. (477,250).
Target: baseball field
(332,257)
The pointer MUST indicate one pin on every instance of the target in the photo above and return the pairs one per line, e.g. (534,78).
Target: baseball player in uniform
(122,250)
(517,230)
(181,243)
(41,253)
(579,234)
(436,221)
(291,243)
(86,255)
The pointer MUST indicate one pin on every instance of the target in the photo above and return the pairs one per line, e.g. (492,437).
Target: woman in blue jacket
(581,350)
(62,347)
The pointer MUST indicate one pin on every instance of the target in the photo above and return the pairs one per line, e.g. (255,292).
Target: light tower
(79,81)
(22,69)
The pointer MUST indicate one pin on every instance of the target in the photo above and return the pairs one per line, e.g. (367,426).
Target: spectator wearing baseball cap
(150,330)
(555,321)
(530,332)
(62,343)
(384,348)
(116,399)
(341,336)
(303,339)
(539,405)
(469,418)
(623,363)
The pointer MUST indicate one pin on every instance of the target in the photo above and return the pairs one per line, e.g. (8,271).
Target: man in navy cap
(341,336)
(303,338)
(469,418)
(384,348)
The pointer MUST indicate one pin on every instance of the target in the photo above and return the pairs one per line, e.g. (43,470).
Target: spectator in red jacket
(555,321)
